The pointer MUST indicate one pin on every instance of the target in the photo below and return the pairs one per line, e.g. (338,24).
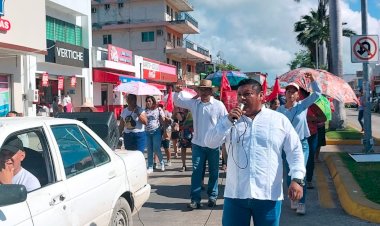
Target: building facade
(152,29)
(22,41)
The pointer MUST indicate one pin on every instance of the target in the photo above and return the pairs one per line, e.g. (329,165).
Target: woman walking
(153,132)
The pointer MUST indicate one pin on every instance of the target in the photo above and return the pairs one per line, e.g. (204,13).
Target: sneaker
(194,205)
(169,163)
(301,209)
(309,185)
(293,204)
(211,203)
(149,170)
(183,169)
(162,167)
(154,165)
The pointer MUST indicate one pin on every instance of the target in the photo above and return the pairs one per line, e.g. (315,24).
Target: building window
(167,60)
(188,68)
(147,36)
(93,10)
(58,30)
(107,6)
(167,9)
(120,5)
(107,39)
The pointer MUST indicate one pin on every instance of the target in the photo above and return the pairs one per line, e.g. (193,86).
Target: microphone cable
(239,138)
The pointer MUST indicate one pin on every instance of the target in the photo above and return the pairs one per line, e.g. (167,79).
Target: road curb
(349,142)
(350,194)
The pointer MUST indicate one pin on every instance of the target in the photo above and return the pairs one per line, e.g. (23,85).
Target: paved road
(352,119)
(170,194)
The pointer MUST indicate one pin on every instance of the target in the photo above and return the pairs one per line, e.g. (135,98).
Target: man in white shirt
(206,111)
(65,101)
(255,138)
(11,172)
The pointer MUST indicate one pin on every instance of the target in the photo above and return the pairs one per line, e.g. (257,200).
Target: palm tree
(334,41)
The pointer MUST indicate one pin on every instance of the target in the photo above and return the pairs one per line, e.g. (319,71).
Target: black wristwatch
(299,181)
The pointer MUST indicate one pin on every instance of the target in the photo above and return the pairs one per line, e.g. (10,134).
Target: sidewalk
(349,192)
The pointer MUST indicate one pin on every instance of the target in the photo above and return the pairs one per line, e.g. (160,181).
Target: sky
(257,35)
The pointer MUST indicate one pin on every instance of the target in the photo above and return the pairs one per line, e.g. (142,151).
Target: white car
(83,181)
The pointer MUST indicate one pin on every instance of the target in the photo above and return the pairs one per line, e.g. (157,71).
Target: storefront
(111,67)
(63,71)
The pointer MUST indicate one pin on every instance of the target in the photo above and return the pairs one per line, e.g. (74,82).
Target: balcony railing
(191,45)
(186,17)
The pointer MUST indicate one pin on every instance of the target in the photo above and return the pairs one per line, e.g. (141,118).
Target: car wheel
(121,215)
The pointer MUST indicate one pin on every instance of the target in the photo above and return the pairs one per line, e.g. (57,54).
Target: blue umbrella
(234,77)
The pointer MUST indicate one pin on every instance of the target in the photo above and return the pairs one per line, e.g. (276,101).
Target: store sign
(5,25)
(73,81)
(45,79)
(151,66)
(60,82)
(67,54)
(119,55)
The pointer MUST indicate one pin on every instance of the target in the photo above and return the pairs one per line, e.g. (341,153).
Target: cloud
(258,35)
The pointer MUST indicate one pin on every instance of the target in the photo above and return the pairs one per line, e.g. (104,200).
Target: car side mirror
(12,194)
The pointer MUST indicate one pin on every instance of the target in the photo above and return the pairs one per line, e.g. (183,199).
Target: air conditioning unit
(159,32)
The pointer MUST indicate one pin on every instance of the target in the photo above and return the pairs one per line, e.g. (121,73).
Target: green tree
(226,67)
(302,59)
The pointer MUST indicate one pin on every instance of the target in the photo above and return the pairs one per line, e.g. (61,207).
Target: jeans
(313,144)
(240,211)
(199,157)
(360,118)
(154,145)
(135,141)
(305,149)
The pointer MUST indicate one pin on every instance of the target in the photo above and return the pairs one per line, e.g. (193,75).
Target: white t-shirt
(27,179)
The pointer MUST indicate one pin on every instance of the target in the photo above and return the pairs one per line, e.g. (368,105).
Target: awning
(110,77)
(158,86)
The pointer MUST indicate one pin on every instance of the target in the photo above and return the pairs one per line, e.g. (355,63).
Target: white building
(153,29)
(69,41)
(22,40)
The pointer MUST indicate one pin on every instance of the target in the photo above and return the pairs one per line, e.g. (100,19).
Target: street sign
(364,48)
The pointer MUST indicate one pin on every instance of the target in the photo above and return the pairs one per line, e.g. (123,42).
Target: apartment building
(155,29)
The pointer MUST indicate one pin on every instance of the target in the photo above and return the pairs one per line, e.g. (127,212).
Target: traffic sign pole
(368,140)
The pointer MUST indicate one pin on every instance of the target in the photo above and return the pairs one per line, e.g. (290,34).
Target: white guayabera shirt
(254,154)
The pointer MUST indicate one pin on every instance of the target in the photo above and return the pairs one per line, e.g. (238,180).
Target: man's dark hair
(132,97)
(255,84)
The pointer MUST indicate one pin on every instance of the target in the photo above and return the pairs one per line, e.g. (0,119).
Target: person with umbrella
(296,112)
(132,125)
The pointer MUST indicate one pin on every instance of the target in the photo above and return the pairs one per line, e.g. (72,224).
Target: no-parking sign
(364,48)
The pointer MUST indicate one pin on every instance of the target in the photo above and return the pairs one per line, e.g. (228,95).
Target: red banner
(45,79)
(230,99)
(73,81)
(60,82)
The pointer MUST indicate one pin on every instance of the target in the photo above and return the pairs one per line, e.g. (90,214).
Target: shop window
(147,36)
(58,30)
(5,101)
(93,10)
(120,5)
(168,9)
(107,6)
(107,39)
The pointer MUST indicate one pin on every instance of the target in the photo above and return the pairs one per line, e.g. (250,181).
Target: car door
(16,214)
(47,204)
(93,182)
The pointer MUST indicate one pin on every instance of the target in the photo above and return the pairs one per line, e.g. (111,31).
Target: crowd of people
(258,142)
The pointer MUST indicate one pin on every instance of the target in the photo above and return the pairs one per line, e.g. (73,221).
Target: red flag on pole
(169,102)
(264,89)
(224,85)
(275,91)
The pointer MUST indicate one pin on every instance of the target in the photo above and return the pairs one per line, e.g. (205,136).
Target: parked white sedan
(83,181)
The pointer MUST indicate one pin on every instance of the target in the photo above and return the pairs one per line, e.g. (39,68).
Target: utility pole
(368,140)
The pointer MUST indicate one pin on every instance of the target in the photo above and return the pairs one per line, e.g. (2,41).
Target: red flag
(275,91)
(169,102)
(264,89)
(224,85)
